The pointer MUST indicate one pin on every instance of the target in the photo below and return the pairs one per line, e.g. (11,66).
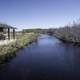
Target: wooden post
(8,34)
(1,29)
(13,33)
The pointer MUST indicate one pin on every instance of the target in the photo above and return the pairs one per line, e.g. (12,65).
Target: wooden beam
(8,33)
(13,33)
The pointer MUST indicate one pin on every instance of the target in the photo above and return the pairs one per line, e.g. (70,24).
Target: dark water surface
(46,59)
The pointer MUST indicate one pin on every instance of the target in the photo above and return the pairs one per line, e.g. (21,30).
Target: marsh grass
(8,51)
(69,34)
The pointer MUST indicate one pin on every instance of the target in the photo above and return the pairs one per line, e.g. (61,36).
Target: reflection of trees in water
(72,57)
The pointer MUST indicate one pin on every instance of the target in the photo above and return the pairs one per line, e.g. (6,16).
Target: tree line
(69,33)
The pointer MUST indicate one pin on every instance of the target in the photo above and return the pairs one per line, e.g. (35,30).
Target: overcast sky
(39,13)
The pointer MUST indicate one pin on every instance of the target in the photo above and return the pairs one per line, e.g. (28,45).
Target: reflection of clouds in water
(46,40)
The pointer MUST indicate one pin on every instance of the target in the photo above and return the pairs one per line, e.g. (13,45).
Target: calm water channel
(46,59)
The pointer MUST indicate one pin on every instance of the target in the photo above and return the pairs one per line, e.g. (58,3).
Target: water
(46,59)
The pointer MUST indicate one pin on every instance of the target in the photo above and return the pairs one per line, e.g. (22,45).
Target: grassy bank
(8,51)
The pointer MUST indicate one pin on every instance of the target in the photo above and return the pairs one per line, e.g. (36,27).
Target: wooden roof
(6,26)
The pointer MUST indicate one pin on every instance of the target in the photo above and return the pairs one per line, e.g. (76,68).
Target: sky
(39,13)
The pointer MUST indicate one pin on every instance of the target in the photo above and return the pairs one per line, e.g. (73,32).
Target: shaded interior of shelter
(7,32)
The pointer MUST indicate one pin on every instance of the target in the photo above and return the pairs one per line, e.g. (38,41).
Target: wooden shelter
(7,28)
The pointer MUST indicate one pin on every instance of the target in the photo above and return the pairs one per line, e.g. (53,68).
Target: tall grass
(8,51)
(69,33)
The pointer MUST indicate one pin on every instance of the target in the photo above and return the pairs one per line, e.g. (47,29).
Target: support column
(8,34)
(13,33)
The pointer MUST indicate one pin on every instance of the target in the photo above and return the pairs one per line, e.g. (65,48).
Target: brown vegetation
(8,51)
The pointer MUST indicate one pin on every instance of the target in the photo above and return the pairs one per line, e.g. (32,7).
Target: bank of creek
(46,59)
